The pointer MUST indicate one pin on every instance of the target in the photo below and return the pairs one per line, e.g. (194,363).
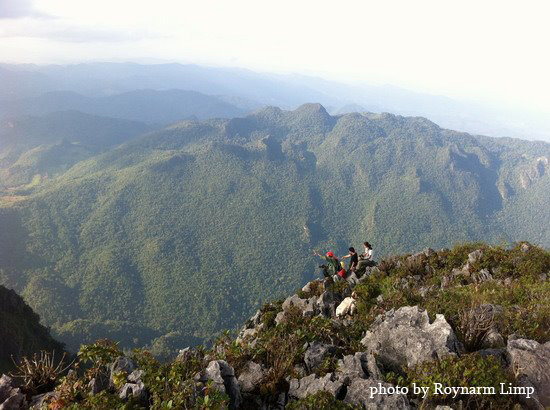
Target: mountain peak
(312,108)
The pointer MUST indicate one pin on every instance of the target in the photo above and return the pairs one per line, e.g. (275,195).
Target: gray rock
(327,303)
(352,279)
(359,394)
(121,365)
(11,397)
(429,252)
(475,256)
(482,276)
(316,354)
(246,334)
(493,340)
(280,317)
(98,384)
(525,247)
(301,388)
(405,337)
(530,362)
(38,401)
(224,380)
(250,379)
(311,309)
(135,376)
(294,300)
(352,367)
(135,390)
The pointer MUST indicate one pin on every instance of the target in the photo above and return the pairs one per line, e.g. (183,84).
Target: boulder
(135,376)
(482,276)
(405,337)
(133,390)
(316,353)
(251,377)
(327,303)
(224,380)
(121,365)
(352,279)
(352,367)
(98,384)
(530,362)
(11,397)
(301,388)
(475,256)
(311,309)
(280,317)
(359,394)
(294,300)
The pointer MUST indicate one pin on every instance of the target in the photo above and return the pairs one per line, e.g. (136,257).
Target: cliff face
(21,333)
(475,317)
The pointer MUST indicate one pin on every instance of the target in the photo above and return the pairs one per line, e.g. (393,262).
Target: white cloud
(493,50)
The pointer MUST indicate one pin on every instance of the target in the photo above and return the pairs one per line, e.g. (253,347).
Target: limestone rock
(530,361)
(224,380)
(316,353)
(301,388)
(250,379)
(359,394)
(11,397)
(405,337)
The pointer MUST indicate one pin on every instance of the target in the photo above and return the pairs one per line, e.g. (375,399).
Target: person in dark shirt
(354,259)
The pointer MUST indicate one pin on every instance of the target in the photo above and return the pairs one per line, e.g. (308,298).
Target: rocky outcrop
(301,388)
(316,353)
(405,337)
(359,393)
(530,362)
(223,377)
(251,378)
(11,397)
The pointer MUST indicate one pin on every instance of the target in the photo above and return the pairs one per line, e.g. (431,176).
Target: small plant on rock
(40,373)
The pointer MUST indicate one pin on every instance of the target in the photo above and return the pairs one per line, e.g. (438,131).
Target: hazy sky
(482,49)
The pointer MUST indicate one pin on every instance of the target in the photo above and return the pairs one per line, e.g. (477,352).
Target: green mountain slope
(48,145)
(190,228)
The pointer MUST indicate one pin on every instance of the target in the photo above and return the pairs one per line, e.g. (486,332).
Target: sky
(482,50)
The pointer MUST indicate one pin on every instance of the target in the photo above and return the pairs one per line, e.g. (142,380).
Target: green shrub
(470,370)
(319,401)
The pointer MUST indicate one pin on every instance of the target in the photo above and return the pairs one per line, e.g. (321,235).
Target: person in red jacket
(332,267)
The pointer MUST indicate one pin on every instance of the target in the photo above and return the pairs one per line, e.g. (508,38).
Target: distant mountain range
(248,90)
(149,106)
(186,230)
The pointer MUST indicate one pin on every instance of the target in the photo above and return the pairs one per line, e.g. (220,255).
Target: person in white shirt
(365,260)
(368,251)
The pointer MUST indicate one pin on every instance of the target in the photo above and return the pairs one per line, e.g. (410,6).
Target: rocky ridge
(298,353)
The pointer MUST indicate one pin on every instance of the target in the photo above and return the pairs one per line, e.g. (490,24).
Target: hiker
(368,251)
(333,266)
(365,260)
(354,259)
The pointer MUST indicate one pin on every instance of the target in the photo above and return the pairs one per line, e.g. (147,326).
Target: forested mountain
(150,106)
(190,228)
(45,146)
